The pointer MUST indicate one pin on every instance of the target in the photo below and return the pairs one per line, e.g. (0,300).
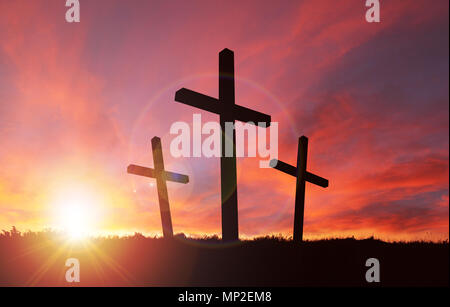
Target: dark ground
(39,259)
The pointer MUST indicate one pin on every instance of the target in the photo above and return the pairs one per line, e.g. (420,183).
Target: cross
(302,176)
(229,112)
(161,176)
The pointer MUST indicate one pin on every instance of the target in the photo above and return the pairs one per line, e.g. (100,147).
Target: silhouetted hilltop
(39,259)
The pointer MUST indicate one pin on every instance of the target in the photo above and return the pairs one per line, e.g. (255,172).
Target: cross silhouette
(302,176)
(161,176)
(229,112)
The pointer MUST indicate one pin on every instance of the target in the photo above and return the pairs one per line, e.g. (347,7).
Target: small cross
(302,176)
(161,176)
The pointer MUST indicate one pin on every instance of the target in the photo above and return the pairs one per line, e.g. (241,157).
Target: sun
(75,218)
(76,211)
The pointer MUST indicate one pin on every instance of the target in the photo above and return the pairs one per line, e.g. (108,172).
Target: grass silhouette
(38,258)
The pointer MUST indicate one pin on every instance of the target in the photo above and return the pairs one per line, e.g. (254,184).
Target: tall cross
(161,176)
(229,112)
(302,176)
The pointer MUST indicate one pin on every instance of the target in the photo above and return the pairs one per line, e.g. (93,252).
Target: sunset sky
(81,101)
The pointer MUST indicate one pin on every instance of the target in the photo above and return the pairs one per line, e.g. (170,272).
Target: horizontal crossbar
(292,170)
(150,172)
(213,105)
(317,180)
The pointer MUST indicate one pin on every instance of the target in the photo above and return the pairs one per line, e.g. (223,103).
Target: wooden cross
(229,112)
(302,176)
(161,176)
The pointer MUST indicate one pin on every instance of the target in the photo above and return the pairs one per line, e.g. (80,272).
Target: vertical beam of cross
(161,176)
(161,185)
(299,211)
(229,112)
(228,172)
(302,175)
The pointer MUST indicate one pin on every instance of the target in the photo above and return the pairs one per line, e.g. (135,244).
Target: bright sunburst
(76,211)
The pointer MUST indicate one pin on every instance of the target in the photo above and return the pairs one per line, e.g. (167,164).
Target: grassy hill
(39,259)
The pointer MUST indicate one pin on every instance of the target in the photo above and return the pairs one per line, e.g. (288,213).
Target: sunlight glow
(76,211)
